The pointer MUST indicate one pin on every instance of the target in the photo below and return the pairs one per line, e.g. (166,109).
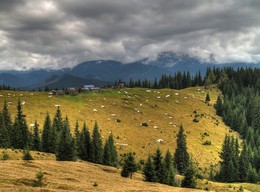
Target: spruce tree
(110,153)
(47,135)
(159,166)
(252,175)
(219,106)
(244,164)
(16,139)
(169,169)
(229,166)
(4,134)
(85,144)
(36,137)
(57,120)
(235,158)
(21,134)
(66,144)
(129,166)
(181,156)
(189,180)
(77,136)
(96,145)
(54,139)
(149,170)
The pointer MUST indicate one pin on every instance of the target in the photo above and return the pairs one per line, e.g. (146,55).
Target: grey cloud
(62,33)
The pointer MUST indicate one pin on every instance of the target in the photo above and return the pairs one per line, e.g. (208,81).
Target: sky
(63,33)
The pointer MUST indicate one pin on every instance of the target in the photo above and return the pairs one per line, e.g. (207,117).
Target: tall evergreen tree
(85,144)
(47,145)
(169,169)
(57,121)
(252,175)
(149,171)
(235,158)
(218,106)
(159,166)
(96,145)
(129,166)
(181,156)
(244,164)
(4,134)
(189,180)
(36,137)
(110,153)
(229,165)
(66,144)
(77,136)
(21,134)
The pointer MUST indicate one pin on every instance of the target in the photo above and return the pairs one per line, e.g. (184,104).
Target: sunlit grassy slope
(163,110)
(71,176)
(18,175)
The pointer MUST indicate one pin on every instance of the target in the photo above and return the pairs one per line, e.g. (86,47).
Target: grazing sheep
(159,140)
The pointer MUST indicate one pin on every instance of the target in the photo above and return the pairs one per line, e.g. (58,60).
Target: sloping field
(18,175)
(163,110)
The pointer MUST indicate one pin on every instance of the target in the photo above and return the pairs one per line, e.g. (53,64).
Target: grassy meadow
(163,110)
(121,112)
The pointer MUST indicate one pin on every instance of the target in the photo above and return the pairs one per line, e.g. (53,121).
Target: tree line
(5,87)
(56,138)
(177,81)
(239,107)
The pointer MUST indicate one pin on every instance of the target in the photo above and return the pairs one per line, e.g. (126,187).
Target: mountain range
(102,72)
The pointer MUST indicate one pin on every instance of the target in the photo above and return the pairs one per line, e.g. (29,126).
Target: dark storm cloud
(61,33)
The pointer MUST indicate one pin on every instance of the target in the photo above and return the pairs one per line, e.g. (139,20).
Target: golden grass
(72,176)
(19,175)
(155,108)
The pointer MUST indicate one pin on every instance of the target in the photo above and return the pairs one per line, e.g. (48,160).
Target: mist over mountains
(102,72)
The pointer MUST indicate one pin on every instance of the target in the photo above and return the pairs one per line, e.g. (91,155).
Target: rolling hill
(163,110)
